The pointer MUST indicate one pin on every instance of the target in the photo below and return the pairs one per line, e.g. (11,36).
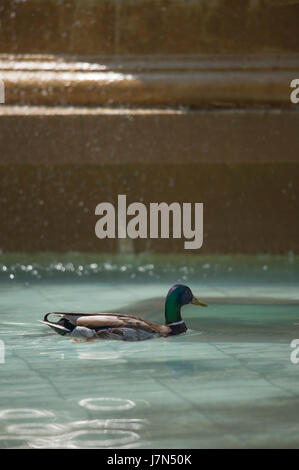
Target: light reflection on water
(24,413)
(76,434)
(146,267)
(106,404)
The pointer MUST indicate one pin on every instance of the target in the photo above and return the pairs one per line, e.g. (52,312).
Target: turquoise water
(227,382)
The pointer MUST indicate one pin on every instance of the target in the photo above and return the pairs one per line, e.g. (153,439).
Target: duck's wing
(120,321)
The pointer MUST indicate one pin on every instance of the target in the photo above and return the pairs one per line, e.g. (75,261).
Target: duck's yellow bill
(196,301)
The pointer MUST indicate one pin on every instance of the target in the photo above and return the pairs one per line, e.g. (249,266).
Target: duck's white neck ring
(175,323)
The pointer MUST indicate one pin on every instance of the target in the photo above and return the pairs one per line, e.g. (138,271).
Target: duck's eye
(186,296)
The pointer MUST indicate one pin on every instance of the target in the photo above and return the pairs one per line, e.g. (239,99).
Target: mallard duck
(126,327)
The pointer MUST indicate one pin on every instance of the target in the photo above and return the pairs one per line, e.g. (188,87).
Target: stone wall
(169,100)
(148,26)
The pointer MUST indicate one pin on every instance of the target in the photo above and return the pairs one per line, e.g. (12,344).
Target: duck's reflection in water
(109,352)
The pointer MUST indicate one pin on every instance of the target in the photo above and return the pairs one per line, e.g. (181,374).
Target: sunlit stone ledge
(196,81)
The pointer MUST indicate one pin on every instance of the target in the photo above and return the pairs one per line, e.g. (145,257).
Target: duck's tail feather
(62,327)
(61,330)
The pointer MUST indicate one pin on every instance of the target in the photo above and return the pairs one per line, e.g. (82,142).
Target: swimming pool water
(227,382)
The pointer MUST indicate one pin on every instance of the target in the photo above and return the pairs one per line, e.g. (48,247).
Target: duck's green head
(179,295)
